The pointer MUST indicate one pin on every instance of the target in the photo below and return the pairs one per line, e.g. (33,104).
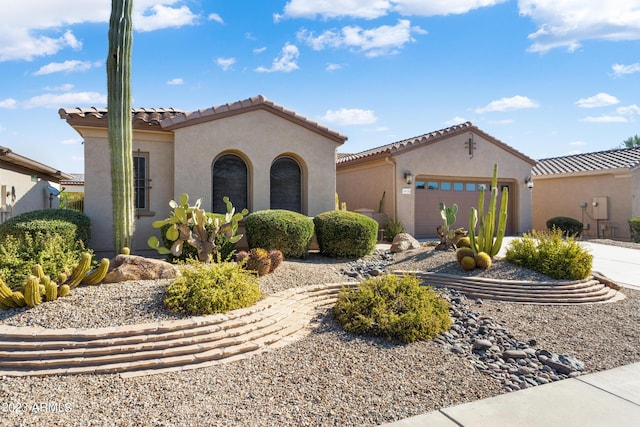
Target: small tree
(632,141)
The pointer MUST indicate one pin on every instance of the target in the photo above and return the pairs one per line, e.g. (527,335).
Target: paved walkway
(603,399)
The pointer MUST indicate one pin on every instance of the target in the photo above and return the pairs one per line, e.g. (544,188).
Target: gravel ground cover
(328,378)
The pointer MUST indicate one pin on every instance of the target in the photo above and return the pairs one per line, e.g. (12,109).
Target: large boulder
(132,267)
(404,242)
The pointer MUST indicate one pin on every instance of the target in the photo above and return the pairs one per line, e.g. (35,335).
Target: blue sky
(548,77)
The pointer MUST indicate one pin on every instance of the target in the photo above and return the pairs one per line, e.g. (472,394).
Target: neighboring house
(601,189)
(72,196)
(257,153)
(447,165)
(26,185)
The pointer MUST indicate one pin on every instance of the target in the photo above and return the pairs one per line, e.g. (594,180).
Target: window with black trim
(141,181)
(230,178)
(286,185)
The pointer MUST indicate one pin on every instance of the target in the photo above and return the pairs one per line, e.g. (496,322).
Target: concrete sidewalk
(603,399)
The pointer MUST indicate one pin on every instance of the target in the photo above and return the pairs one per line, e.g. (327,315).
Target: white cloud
(372,9)
(34,28)
(8,103)
(175,81)
(67,99)
(333,67)
(159,16)
(350,116)
(215,17)
(286,62)
(259,49)
(508,104)
(66,66)
(565,23)
(378,41)
(604,119)
(225,63)
(620,70)
(598,100)
(455,121)
(628,110)
(65,87)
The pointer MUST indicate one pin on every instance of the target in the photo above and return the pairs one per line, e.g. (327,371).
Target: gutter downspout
(390,161)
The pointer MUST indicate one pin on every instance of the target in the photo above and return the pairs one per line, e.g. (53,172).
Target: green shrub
(634,227)
(18,256)
(392,227)
(207,288)
(289,231)
(569,226)
(71,224)
(225,248)
(345,234)
(396,308)
(551,254)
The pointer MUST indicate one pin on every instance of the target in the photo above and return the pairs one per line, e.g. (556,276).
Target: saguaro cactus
(119,121)
(489,234)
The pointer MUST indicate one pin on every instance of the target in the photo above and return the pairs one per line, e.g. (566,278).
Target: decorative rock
(514,354)
(481,344)
(131,267)
(404,242)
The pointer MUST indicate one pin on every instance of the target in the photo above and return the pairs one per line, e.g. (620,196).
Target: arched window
(230,179)
(286,185)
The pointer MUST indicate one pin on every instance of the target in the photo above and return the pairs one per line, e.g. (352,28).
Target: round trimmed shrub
(71,225)
(207,288)
(288,231)
(568,226)
(345,234)
(634,227)
(394,307)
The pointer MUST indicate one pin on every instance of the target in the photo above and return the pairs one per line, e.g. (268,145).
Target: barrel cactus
(259,261)
(32,294)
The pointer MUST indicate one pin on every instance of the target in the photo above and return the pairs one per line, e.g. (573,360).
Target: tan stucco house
(26,185)
(447,165)
(601,189)
(254,151)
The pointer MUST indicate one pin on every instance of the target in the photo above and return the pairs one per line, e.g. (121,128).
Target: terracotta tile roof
(424,140)
(249,104)
(143,118)
(626,158)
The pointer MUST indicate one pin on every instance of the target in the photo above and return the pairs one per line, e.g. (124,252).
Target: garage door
(430,192)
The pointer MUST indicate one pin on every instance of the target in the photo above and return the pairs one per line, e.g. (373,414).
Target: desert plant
(468,263)
(394,307)
(464,242)
(212,288)
(392,227)
(288,231)
(188,224)
(547,252)
(73,226)
(489,233)
(345,234)
(448,235)
(634,227)
(568,226)
(464,252)
(258,261)
(483,260)
(276,258)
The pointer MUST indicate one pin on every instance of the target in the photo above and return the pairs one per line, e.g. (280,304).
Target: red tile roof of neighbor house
(424,140)
(623,158)
(170,118)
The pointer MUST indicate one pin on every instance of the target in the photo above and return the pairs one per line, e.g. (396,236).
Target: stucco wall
(561,196)
(363,186)
(259,137)
(635,192)
(450,158)
(29,195)
(98,203)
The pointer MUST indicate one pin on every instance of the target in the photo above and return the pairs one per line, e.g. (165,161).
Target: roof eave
(25,165)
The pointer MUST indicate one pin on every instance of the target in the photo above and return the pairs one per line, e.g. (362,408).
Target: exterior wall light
(408,177)
(528,181)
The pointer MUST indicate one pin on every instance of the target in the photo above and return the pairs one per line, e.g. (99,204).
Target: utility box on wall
(600,208)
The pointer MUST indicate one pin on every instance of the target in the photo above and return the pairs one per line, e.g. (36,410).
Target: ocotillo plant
(489,234)
(119,121)
(190,224)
